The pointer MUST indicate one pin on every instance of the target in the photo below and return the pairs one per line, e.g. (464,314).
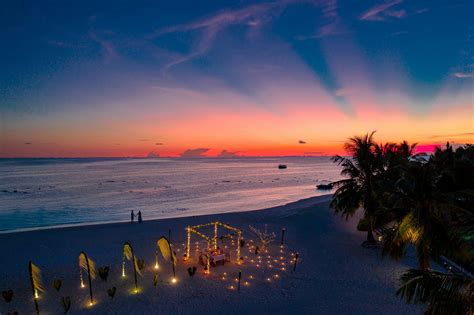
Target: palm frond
(443,293)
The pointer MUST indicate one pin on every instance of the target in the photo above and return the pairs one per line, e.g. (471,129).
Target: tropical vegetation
(423,203)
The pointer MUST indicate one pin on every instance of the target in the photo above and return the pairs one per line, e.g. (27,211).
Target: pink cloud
(377,12)
(426,148)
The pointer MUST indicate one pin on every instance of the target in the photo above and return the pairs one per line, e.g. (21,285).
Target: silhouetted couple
(139,215)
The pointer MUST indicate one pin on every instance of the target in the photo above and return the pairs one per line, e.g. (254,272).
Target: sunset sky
(289,77)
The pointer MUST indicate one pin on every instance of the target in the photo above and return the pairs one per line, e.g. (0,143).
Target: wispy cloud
(302,142)
(109,53)
(463,75)
(192,153)
(252,16)
(381,11)
(464,134)
(210,26)
(228,154)
(343,92)
(332,22)
(153,154)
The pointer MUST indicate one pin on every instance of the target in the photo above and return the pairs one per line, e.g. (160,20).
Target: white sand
(335,275)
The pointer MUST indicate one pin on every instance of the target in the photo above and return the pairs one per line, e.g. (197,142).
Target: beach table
(218,259)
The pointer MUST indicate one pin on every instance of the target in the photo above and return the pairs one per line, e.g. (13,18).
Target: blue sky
(77,63)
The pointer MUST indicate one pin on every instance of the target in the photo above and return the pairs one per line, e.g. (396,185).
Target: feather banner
(128,253)
(165,248)
(87,265)
(83,260)
(36,278)
(166,251)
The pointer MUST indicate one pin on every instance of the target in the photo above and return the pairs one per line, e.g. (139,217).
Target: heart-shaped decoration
(66,302)
(140,264)
(57,284)
(192,271)
(7,295)
(104,272)
(111,292)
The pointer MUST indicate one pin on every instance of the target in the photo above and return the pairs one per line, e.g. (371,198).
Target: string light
(36,294)
(174,280)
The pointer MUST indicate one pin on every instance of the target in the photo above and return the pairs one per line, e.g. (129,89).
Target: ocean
(36,193)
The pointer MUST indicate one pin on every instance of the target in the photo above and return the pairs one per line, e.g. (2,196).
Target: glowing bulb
(90,303)
(269,280)
(246,283)
(36,294)
(276,276)
(174,280)
(156,266)
(82,285)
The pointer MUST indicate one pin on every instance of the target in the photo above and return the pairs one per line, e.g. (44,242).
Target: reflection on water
(43,192)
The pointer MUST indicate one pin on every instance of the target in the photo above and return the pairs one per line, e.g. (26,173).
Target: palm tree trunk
(370,236)
(370,232)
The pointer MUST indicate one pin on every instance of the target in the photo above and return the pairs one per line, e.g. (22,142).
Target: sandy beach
(334,275)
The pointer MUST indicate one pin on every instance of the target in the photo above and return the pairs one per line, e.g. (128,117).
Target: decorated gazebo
(211,241)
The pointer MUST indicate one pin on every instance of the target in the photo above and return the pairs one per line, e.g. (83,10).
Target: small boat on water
(324,186)
(282,166)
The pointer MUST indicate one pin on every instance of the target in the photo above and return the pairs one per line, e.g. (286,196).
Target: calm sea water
(48,192)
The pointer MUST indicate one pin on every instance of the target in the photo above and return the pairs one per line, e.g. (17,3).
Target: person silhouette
(140,217)
(132,217)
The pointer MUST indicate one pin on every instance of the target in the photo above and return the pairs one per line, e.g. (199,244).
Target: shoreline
(294,205)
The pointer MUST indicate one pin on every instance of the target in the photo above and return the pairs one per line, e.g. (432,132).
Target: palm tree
(425,216)
(357,190)
(445,293)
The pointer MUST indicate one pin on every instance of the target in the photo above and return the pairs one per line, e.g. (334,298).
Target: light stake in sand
(35,279)
(240,277)
(87,265)
(296,261)
(283,230)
